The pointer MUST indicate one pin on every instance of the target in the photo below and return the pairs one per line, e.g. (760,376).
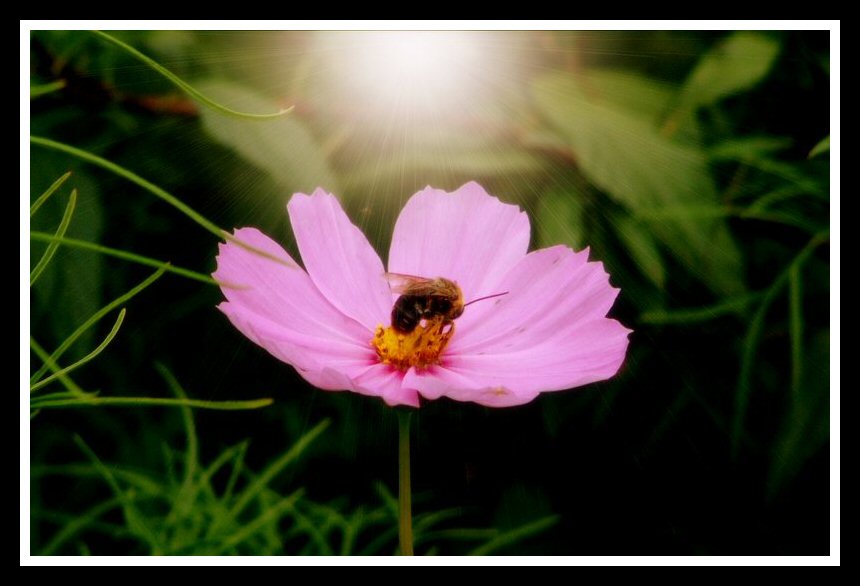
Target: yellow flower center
(420,348)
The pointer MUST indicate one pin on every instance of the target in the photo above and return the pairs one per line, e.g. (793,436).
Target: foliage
(678,158)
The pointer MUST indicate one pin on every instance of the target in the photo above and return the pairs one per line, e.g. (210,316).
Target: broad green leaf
(560,219)
(283,147)
(645,98)
(734,65)
(748,148)
(642,248)
(623,153)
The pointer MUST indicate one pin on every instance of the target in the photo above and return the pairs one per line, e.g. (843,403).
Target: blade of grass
(316,535)
(64,395)
(77,525)
(156,191)
(273,469)
(514,536)
(135,478)
(238,464)
(187,493)
(124,255)
(132,515)
(387,498)
(98,350)
(249,529)
(37,91)
(389,536)
(92,321)
(795,304)
(700,314)
(753,337)
(823,146)
(152,402)
(465,534)
(49,192)
(184,86)
(428,520)
(669,213)
(53,246)
(43,355)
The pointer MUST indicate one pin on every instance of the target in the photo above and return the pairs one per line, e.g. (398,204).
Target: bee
(422,298)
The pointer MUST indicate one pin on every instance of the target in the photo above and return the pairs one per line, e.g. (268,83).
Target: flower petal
(279,308)
(550,288)
(324,366)
(285,295)
(594,353)
(383,381)
(339,259)
(335,369)
(549,333)
(467,235)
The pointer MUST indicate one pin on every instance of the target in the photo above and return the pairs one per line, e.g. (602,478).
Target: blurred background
(695,165)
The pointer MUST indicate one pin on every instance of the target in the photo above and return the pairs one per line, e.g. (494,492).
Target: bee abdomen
(407,313)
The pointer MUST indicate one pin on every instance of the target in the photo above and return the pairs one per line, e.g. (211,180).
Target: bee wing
(411,284)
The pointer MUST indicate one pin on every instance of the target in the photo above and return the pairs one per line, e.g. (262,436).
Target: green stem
(403,419)
(181,84)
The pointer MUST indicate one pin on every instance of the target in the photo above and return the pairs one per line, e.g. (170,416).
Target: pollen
(422,347)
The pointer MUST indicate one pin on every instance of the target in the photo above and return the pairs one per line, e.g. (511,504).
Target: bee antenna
(487,297)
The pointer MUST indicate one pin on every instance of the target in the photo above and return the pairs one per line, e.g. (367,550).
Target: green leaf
(98,350)
(53,244)
(284,148)
(642,248)
(134,518)
(83,328)
(748,147)
(49,192)
(69,384)
(754,335)
(515,536)
(73,281)
(43,89)
(270,515)
(151,402)
(153,189)
(78,524)
(822,147)
(622,153)
(274,468)
(735,64)
(123,254)
(805,427)
(560,219)
(730,306)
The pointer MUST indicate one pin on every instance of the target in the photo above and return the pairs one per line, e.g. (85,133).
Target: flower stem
(403,419)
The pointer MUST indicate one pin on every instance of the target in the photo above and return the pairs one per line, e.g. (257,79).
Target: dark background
(662,459)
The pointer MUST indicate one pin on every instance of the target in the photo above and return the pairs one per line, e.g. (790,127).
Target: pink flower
(331,321)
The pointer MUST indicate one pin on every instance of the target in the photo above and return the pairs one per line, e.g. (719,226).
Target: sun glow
(413,70)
